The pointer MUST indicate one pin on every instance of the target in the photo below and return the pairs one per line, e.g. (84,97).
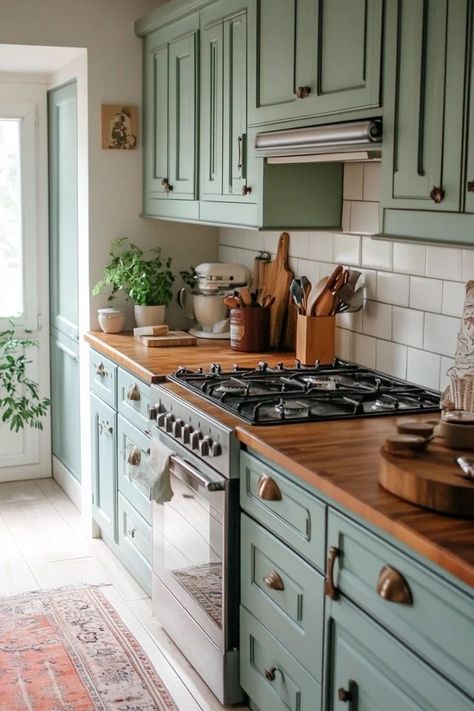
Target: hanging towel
(160,485)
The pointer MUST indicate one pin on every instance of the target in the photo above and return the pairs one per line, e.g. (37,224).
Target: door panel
(235,104)
(212,87)
(104,466)
(469,178)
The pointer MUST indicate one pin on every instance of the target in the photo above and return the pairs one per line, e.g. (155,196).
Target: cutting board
(429,479)
(277,278)
(173,338)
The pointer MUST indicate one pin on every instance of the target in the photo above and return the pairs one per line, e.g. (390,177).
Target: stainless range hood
(338,142)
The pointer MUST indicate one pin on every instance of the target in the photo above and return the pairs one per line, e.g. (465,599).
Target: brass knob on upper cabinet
(303,91)
(393,587)
(270,673)
(274,581)
(470,186)
(268,489)
(437,195)
(134,393)
(166,186)
(246,190)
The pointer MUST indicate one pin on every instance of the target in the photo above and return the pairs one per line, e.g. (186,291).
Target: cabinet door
(155,118)
(66,444)
(369,670)
(315,57)
(469,180)
(211,107)
(423,117)
(235,105)
(104,466)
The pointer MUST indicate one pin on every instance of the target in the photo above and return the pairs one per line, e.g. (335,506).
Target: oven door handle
(202,479)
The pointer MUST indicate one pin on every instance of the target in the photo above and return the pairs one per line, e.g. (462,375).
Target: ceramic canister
(111,320)
(249,329)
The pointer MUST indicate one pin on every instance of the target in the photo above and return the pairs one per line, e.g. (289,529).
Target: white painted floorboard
(43,545)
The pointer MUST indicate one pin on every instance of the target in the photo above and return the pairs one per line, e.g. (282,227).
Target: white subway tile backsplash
(368,280)
(299,244)
(350,321)
(376,253)
(409,258)
(346,216)
(454,293)
(363,350)
(343,344)
(440,334)
(426,294)
(467,264)
(320,246)
(407,326)
(372,177)
(391,358)
(365,218)
(423,368)
(377,320)
(353,181)
(309,269)
(444,263)
(347,249)
(393,288)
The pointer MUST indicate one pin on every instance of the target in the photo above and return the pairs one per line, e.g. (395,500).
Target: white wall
(415,292)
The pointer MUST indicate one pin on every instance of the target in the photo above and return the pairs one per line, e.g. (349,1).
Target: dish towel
(160,484)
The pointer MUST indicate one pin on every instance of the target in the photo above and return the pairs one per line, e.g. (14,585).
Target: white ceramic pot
(149,315)
(111,320)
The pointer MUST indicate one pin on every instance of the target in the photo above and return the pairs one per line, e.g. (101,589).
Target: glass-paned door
(11,241)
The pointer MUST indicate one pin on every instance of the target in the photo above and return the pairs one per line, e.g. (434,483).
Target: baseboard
(67,482)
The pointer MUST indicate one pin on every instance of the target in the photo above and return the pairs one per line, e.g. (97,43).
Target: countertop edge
(122,359)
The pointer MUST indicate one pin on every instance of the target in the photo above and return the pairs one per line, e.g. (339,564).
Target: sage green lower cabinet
(104,466)
(133,461)
(134,541)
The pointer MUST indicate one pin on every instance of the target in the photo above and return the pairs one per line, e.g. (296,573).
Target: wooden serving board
(277,278)
(429,479)
(173,338)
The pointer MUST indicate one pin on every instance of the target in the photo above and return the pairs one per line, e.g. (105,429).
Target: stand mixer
(205,303)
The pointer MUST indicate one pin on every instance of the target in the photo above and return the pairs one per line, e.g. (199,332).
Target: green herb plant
(145,282)
(189,276)
(20,401)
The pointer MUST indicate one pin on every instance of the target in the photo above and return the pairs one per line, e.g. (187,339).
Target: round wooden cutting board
(429,479)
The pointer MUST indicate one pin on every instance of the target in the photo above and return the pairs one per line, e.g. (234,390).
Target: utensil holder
(250,329)
(315,339)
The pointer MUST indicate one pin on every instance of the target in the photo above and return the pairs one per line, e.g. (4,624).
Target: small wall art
(119,126)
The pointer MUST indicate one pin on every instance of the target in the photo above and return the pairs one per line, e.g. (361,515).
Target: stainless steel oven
(196,546)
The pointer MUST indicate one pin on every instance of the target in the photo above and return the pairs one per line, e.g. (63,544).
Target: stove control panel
(200,434)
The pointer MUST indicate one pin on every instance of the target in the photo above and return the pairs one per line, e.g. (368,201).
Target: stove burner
(385,403)
(291,409)
(320,383)
(231,389)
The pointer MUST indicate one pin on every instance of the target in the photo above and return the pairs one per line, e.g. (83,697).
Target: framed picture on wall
(119,126)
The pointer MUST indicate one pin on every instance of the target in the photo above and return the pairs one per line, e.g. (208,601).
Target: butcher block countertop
(339,459)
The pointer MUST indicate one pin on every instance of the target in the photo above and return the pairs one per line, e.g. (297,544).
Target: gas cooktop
(281,394)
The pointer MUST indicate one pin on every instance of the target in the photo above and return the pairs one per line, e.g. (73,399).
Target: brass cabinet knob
(344,695)
(135,457)
(268,489)
(470,186)
(166,186)
(393,587)
(101,370)
(270,673)
(303,91)
(274,581)
(246,190)
(329,588)
(437,194)
(134,393)
(132,532)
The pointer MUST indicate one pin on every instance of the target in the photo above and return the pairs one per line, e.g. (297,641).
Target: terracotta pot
(149,315)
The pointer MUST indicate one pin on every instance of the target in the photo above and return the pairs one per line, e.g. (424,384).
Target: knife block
(315,339)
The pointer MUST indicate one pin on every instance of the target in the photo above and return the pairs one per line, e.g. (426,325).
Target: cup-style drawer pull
(132,532)
(166,186)
(437,194)
(105,427)
(470,186)
(246,190)
(135,457)
(329,588)
(134,392)
(393,587)
(273,581)
(303,91)
(268,489)
(101,370)
(270,673)
(344,695)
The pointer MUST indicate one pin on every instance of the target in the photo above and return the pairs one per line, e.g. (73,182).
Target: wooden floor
(42,545)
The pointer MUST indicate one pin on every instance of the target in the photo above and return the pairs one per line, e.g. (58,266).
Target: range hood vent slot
(358,140)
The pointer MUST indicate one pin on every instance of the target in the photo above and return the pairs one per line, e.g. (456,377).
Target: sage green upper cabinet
(170,120)
(468,186)
(314,57)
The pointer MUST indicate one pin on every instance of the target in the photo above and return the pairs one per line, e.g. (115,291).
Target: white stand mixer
(205,303)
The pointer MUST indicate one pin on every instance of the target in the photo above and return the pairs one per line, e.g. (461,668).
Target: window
(11,239)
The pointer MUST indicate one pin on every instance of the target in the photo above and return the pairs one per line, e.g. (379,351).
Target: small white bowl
(111,320)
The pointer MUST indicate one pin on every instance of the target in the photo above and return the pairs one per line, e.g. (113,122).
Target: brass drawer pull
(393,587)
(268,489)
(329,588)
(166,186)
(246,190)
(302,92)
(101,370)
(274,581)
(437,194)
(132,532)
(105,427)
(470,186)
(270,673)
(135,457)
(134,393)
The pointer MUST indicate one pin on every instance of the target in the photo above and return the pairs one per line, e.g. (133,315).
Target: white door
(24,259)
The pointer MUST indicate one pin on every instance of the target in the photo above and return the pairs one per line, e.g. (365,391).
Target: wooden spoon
(326,302)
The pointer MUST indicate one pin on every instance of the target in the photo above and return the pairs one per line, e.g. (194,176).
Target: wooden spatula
(326,302)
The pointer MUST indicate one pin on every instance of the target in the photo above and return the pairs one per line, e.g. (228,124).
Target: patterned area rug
(204,583)
(68,650)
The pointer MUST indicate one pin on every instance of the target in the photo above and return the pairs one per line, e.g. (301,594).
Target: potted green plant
(146,282)
(20,401)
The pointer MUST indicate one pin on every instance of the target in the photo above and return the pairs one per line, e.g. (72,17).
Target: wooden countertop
(338,458)
(154,364)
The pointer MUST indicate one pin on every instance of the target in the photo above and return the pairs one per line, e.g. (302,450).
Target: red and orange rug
(68,650)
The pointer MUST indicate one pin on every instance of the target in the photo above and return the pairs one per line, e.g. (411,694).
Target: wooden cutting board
(173,338)
(277,278)
(429,479)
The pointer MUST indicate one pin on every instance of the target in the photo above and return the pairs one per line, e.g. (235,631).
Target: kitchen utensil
(267,301)
(232,302)
(315,339)
(353,303)
(316,289)
(261,260)
(173,338)
(346,292)
(277,279)
(306,286)
(467,465)
(327,301)
(297,293)
(245,296)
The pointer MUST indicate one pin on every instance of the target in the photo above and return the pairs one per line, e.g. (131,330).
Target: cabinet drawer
(134,539)
(271,677)
(294,515)
(103,377)
(434,623)
(133,397)
(133,482)
(284,593)
(378,671)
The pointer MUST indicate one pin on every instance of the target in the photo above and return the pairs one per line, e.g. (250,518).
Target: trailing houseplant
(146,282)
(20,402)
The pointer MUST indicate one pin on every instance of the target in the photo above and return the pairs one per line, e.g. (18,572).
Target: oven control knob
(187,432)
(195,439)
(169,419)
(177,428)
(204,446)
(160,420)
(216,449)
